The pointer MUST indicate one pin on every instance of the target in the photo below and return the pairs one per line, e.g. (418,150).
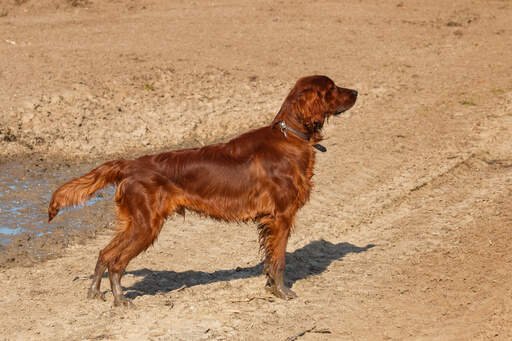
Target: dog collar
(284,128)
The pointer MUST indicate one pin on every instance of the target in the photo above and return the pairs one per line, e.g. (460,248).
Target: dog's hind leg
(142,207)
(94,289)
(106,255)
(273,235)
(138,237)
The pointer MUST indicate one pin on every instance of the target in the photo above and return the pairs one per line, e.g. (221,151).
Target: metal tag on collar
(283,127)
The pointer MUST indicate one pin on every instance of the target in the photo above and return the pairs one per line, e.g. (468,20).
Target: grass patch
(149,87)
(466,102)
(498,91)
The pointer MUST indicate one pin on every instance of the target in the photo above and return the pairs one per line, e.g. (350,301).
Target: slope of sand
(407,234)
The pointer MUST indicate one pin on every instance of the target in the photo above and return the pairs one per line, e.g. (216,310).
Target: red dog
(263,175)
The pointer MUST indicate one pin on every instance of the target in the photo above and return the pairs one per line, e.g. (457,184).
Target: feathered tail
(81,189)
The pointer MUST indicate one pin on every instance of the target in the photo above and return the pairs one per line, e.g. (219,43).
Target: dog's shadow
(309,260)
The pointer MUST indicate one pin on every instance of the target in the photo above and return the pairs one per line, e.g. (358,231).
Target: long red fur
(262,176)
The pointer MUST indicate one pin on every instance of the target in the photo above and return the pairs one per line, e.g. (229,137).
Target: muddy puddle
(25,190)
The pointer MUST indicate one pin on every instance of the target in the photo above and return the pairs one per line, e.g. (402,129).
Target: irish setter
(263,176)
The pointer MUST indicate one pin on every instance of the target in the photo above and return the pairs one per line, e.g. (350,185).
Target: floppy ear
(305,109)
(311,110)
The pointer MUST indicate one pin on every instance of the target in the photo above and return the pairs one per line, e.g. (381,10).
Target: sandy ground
(408,232)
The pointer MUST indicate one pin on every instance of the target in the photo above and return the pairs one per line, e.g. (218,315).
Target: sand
(407,234)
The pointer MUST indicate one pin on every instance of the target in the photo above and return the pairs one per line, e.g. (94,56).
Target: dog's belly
(245,208)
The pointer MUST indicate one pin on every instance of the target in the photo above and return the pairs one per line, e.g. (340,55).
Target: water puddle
(24,196)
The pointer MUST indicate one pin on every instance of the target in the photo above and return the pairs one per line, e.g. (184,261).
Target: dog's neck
(285,129)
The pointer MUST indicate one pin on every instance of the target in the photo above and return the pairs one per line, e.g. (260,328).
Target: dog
(262,176)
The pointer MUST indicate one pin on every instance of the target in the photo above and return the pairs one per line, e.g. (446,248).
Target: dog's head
(312,100)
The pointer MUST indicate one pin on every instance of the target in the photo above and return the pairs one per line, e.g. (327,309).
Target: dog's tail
(81,189)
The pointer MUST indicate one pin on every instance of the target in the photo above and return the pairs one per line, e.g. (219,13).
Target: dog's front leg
(274,235)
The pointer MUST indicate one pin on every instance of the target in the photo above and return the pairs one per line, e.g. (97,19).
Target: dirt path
(407,235)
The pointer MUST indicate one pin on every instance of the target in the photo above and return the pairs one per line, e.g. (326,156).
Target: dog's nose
(354,92)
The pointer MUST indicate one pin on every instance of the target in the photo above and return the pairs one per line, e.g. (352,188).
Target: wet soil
(25,189)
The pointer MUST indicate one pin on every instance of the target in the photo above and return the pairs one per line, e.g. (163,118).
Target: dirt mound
(162,109)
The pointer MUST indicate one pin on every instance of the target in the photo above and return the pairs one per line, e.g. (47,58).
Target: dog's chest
(305,174)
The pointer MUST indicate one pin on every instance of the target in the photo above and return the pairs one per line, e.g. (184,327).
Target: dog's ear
(305,108)
(311,109)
